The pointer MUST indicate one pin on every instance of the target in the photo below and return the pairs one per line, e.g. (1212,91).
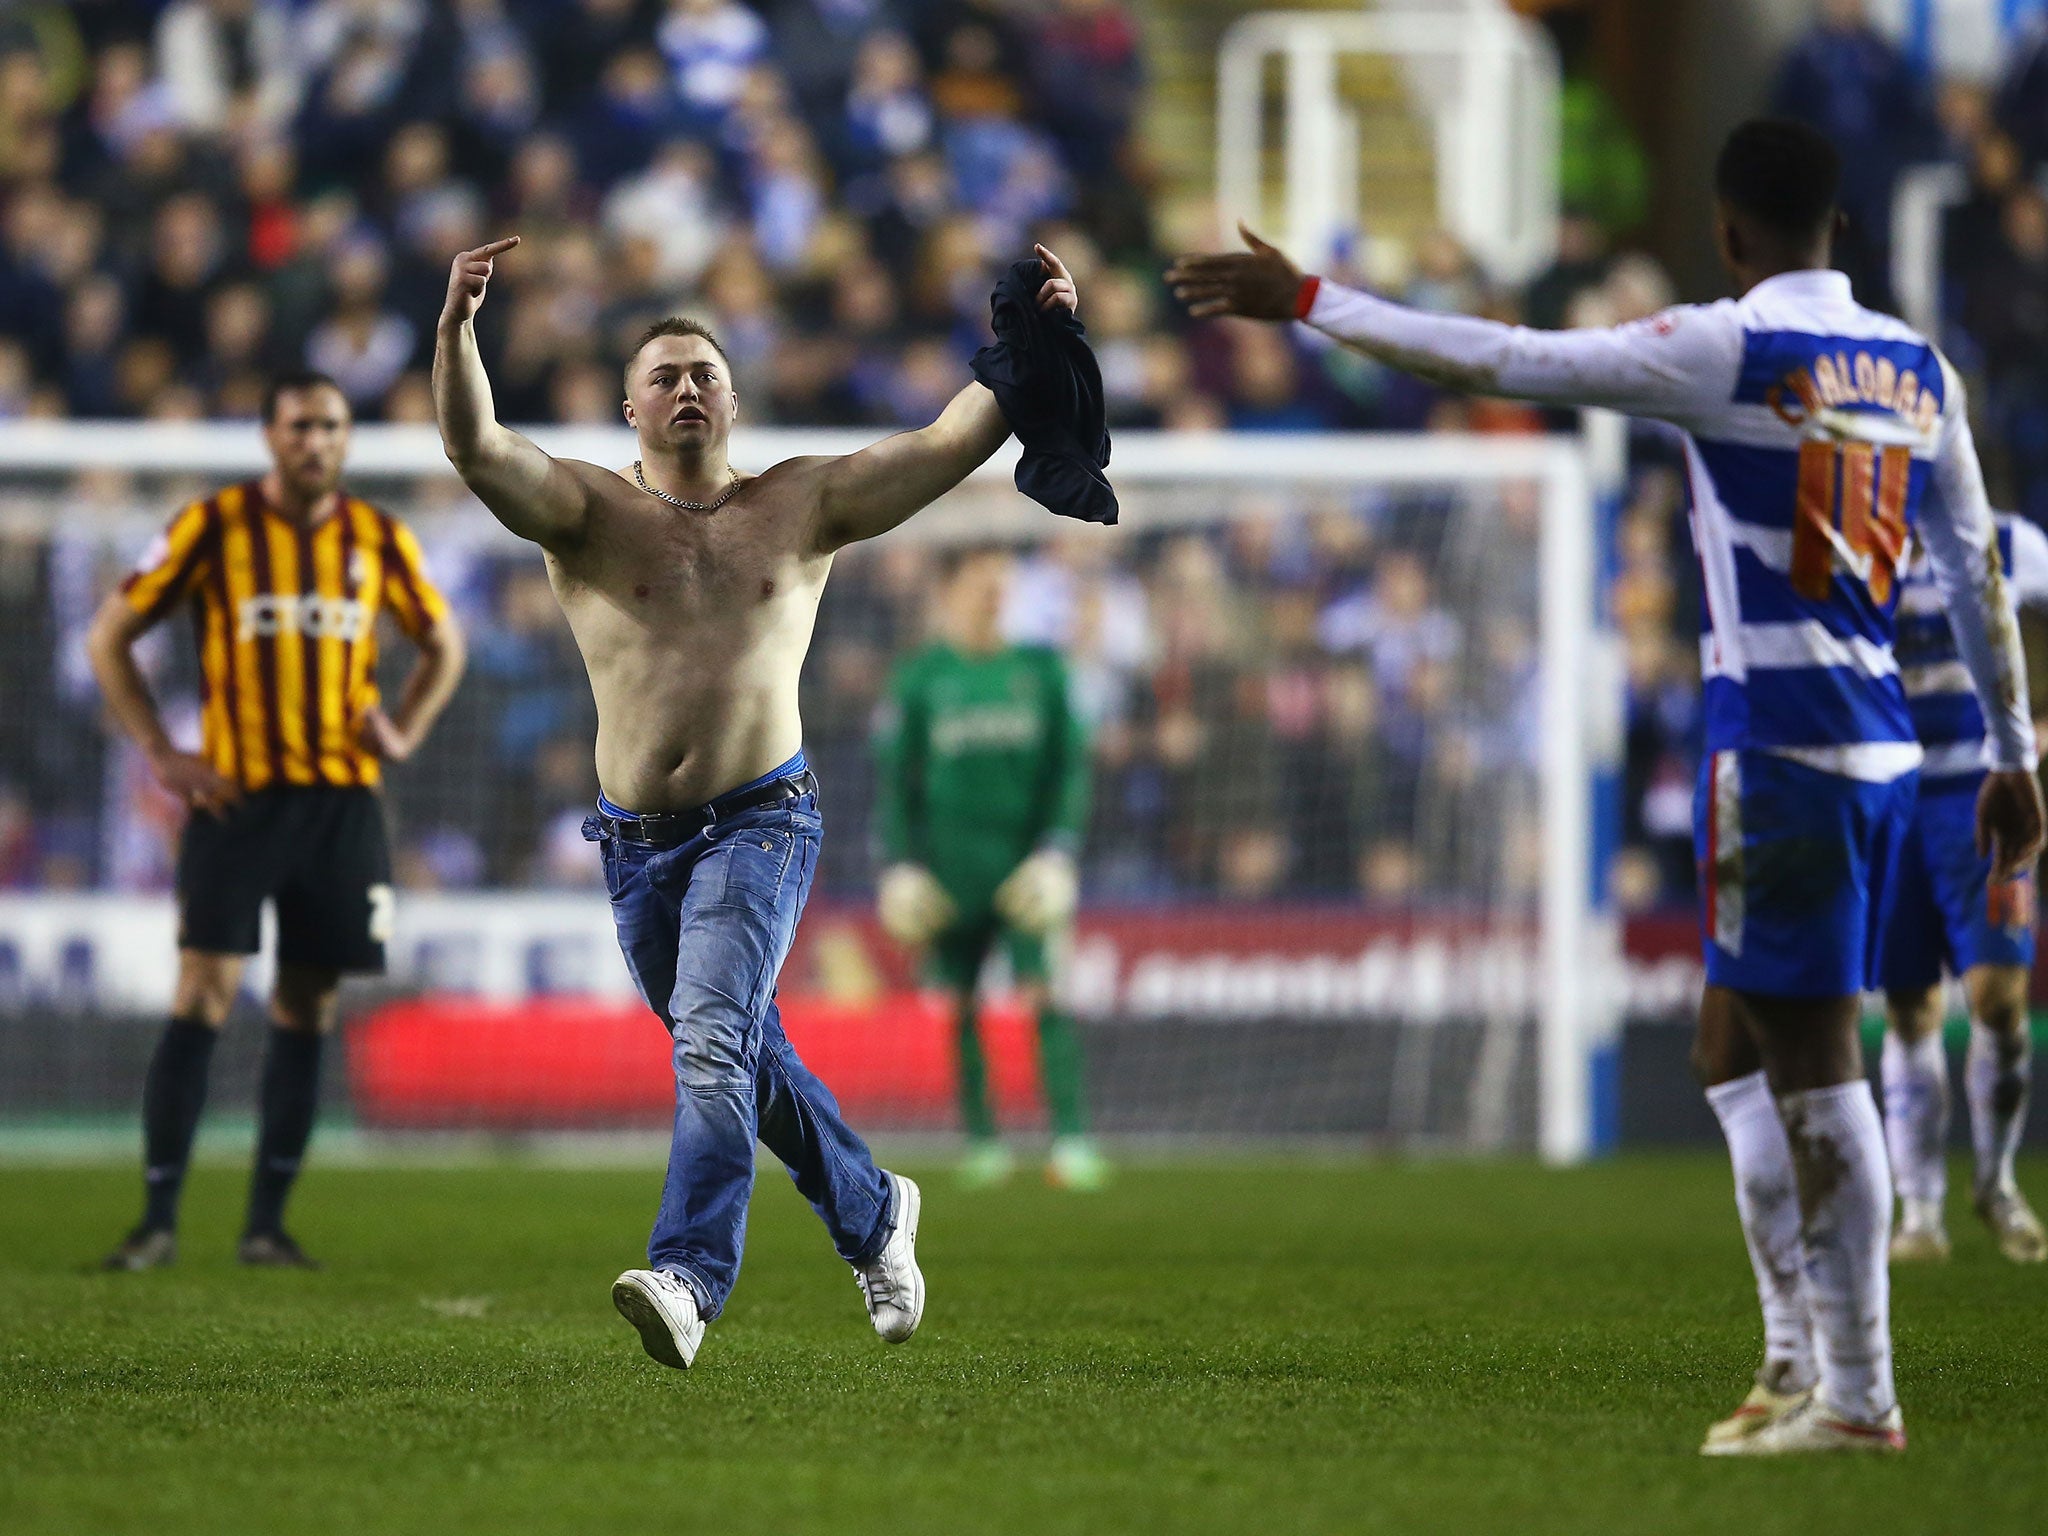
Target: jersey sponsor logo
(1832,382)
(996,728)
(313,615)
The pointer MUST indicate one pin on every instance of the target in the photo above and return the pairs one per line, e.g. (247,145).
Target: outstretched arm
(536,496)
(1663,366)
(870,492)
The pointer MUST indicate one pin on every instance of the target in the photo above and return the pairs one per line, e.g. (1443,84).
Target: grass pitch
(1246,1348)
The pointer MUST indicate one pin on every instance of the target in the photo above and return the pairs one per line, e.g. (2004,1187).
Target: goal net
(1347,705)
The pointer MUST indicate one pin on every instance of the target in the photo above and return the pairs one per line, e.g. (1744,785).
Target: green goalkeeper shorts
(958,954)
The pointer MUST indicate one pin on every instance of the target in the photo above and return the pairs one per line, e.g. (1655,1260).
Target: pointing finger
(1052,263)
(495,248)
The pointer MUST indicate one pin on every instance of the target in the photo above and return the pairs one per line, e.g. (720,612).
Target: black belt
(667,829)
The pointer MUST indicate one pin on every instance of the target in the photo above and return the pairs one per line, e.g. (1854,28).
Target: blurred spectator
(1394,623)
(711,45)
(2007,311)
(1088,73)
(576,40)
(362,345)
(2022,103)
(888,114)
(1602,174)
(1848,80)
(189,253)
(673,204)
(634,112)
(817,44)
(228,63)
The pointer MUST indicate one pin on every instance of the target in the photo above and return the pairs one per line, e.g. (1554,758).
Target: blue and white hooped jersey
(1820,436)
(1946,715)
(1806,483)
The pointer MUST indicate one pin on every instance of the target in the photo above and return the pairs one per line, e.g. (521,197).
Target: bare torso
(693,627)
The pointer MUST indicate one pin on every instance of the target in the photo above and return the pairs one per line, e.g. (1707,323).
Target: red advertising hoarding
(850,1005)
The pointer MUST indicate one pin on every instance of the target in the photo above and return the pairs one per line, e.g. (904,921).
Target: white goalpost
(1222,1001)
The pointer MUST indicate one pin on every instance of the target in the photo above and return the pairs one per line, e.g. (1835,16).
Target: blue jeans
(705,927)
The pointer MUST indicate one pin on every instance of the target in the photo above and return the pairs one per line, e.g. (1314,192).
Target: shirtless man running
(692,590)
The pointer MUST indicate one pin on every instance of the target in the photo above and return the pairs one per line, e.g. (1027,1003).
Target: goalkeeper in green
(983,790)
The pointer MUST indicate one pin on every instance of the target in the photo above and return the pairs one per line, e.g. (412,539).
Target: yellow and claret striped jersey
(286,619)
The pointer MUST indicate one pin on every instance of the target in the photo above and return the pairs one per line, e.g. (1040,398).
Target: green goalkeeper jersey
(983,761)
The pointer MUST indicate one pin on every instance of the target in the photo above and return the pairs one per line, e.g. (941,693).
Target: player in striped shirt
(1948,913)
(1817,435)
(284,578)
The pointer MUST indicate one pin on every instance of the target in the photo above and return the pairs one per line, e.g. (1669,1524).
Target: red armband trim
(1305,296)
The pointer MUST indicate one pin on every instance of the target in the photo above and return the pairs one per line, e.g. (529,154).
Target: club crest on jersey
(311,615)
(358,568)
(1842,380)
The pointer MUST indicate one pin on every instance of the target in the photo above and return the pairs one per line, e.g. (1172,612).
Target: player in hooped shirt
(1948,913)
(1819,435)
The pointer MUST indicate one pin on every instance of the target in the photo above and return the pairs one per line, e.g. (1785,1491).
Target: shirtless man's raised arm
(870,492)
(535,495)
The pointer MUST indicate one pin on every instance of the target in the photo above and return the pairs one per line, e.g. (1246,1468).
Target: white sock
(1767,1200)
(1845,1202)
(1996,1076)
(1916,1118)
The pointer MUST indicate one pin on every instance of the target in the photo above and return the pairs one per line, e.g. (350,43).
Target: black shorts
(320,853)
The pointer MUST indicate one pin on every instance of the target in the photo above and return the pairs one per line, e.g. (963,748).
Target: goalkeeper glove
(911,903)
(1041,893)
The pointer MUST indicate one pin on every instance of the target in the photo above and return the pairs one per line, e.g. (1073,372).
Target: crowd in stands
(201,190)
(1317,695)
(194,193)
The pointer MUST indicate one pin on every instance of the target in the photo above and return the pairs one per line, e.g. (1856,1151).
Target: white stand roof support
(1491,94)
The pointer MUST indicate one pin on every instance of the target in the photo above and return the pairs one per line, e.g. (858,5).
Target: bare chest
(670,564)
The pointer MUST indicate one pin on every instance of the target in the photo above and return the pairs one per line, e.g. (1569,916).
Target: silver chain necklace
(688,506)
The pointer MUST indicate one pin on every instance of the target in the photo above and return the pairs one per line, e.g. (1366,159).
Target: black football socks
(172,1096)
(290,1099)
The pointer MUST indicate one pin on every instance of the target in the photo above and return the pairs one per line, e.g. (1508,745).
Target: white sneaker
(1762,1408)
(664,1309)
(1813,1428)
(892,1285)
(2013,1222)
(1920,1242)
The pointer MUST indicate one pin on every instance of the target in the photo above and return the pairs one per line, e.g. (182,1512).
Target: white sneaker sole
(661,1336)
